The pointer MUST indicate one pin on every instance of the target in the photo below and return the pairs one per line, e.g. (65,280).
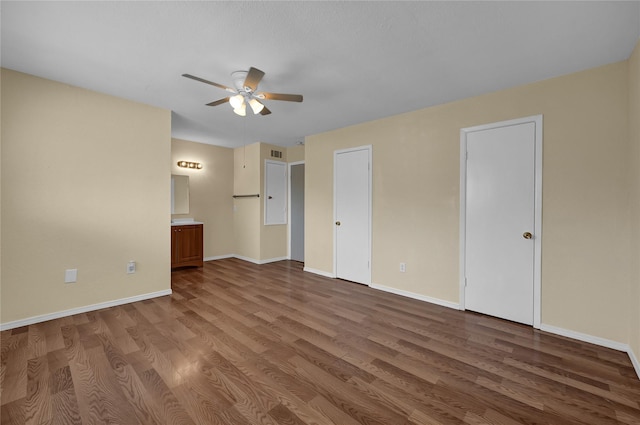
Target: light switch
(70,275)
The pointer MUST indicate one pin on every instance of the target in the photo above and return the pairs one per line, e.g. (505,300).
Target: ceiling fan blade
(202,80)
(280,96)
(254,76)
(265,111)
(218,102)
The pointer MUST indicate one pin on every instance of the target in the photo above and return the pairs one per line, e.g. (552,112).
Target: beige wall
(416,196)
(246,216)
(295,153)
(273,238)
(85,181)
(210,192)
(634,157)
(1,321)
(255,241)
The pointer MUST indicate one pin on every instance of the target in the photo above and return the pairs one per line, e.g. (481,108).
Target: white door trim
(537,263)
(289,165)
(369,149)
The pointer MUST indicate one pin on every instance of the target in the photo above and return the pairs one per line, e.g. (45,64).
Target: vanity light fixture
(187,164)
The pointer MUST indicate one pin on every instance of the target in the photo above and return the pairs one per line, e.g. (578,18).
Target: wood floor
(239,343)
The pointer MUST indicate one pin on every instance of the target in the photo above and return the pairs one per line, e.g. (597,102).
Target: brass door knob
(337,223)
(527,235)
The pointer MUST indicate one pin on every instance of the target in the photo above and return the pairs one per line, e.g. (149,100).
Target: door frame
(537,231)
(369,149)
(290,164)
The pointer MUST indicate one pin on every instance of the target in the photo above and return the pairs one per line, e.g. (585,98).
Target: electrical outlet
(70,275)
(403,267)
(131,267)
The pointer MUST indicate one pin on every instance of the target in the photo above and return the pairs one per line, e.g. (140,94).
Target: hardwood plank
(169,407)
(341,394)
(37,341)
(38,401)
(242,344)
(331,412)
(12,413)
(284,416)
(15,374)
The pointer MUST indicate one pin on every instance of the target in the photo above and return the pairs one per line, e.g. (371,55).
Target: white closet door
(275,198)
(353,215)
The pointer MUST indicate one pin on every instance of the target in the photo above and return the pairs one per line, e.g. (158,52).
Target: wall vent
(276,154)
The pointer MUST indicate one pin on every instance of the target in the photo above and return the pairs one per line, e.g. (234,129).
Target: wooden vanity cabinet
(186,245)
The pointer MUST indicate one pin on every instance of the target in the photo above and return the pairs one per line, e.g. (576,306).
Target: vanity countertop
(184,222)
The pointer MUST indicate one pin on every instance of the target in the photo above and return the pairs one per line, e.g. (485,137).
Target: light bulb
(236,101)
(242,110)
(256,106)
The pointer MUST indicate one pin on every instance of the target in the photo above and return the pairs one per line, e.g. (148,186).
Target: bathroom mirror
(179,194)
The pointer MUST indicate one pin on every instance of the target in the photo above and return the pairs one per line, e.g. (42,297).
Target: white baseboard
(634,361)
(415,296)
(603,342)
(584,337)
(319,272)
(254,261)
(243,258)
(240,257)
(272,260)
(218,257)
(83,309)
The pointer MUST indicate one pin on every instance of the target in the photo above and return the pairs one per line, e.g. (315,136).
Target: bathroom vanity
(186,244)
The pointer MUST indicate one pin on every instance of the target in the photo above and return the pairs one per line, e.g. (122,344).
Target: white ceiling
(352,61)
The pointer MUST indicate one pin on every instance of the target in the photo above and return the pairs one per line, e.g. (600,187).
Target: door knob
(527,235)
(337,223)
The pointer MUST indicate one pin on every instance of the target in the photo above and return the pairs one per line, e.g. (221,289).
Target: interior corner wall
(415,217)
(247,211)
(634,157)
(273,237)
(295,153)
(210,192)
(254,241)
(85,180)
(0,196)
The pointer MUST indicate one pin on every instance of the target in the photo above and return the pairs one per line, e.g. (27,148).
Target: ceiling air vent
(276,154)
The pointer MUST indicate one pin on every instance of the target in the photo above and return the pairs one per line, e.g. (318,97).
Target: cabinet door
(190,243)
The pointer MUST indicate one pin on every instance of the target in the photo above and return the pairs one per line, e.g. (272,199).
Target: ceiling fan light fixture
(236,101)
(238,78)
(241,110)
(256,106)
(246,92)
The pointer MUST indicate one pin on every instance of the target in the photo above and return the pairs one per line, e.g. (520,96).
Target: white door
(275,188)
(296,211)
(501,226)
(353,214)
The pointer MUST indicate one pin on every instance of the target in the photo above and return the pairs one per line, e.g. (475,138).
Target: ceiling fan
(246,84)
